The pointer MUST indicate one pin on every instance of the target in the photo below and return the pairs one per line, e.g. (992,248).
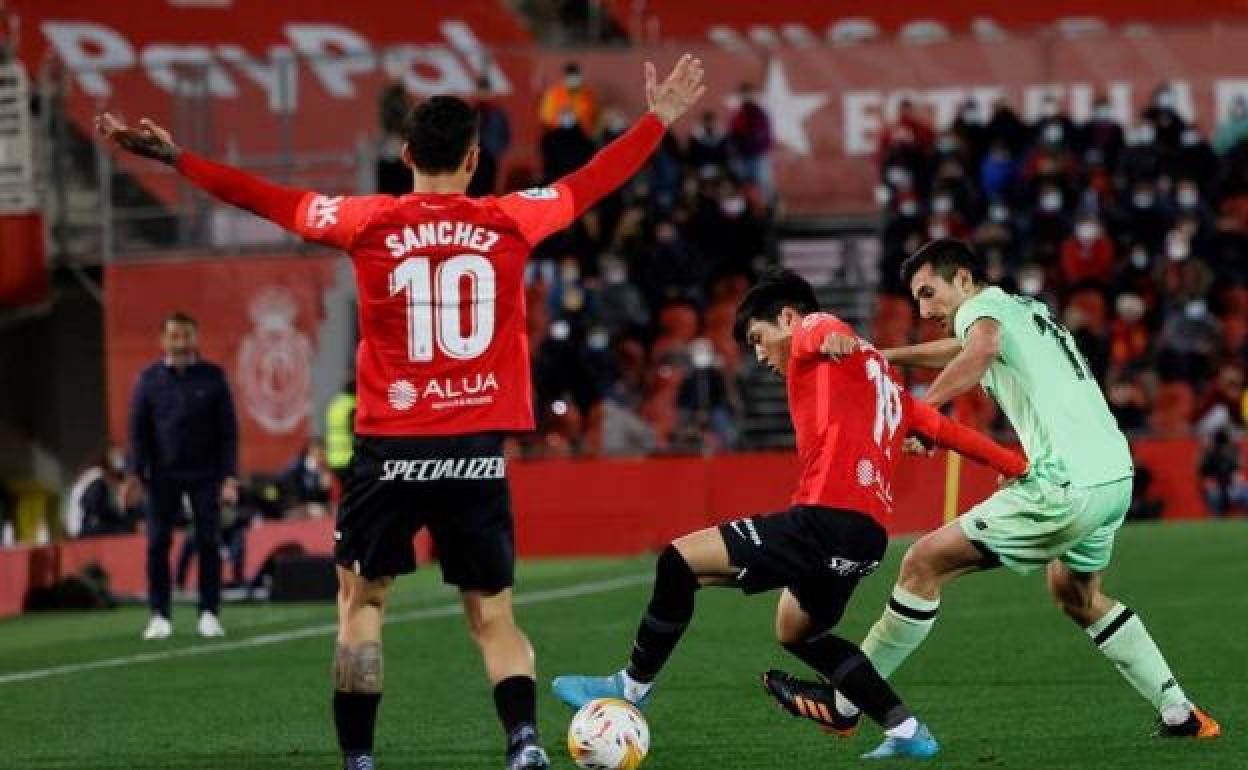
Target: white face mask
(567,119)
(733,205)
(946,145)
(999,213)
(560,330)
(942,204)
(572,81)
(909,208)
(1049,109)
(597,340)
(1165,100)
(1190,138)
(1087,231)
(1104,112)
(883,195)
(1178,247)
(1031,283)
(1145,133)
(1142,199)
(970,116)
(1139,259)
(1051,201)
(702,354)
(1188,197)
(1196,310)
(898,177)
(938,230)
(1053,133)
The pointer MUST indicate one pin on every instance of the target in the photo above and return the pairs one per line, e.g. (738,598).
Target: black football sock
(515,699)
(667,615)
(844,665)
(355,717)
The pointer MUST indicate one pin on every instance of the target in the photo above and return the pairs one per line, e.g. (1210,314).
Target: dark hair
(775,290)
(946,256)
(439,131)
(178,317)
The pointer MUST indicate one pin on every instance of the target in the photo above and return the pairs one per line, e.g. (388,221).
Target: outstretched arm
(935,354)
(324,219)
(940,430)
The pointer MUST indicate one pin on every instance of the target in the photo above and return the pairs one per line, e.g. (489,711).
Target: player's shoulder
(825,321)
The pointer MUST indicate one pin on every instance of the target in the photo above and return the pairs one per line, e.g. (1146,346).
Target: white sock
(1176,714)
(845,707)
(634,691)
(906,729)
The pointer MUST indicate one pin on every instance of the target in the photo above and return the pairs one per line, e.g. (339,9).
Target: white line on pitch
(533,597)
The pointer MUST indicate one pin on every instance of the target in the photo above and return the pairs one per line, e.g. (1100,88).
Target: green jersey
(1047,391)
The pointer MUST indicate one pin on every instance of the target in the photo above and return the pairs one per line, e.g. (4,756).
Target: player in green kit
(1062,516)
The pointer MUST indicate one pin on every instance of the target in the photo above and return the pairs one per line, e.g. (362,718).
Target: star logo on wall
(788,109)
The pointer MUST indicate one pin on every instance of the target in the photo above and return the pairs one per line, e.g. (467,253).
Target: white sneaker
(209,626)
(158,628)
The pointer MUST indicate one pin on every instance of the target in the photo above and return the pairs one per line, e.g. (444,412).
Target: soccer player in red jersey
(851,418)
(443,372)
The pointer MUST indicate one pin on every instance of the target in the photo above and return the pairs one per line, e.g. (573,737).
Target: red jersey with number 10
(444,341)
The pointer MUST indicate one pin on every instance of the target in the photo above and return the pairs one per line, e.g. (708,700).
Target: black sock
(667,615)
(355,716)
(844,665)
(515,699)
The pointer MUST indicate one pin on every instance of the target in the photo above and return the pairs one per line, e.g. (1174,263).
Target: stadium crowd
(1134,233)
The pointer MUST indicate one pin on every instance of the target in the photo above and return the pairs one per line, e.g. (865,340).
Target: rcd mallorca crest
(275,363)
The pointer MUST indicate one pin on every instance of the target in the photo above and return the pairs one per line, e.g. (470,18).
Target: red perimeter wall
(609,507)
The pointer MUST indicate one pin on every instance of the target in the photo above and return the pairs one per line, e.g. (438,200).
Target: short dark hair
(439,131)
(946,256)
(775,290)
(178,317)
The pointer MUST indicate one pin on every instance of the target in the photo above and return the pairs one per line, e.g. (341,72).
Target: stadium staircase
(839,257)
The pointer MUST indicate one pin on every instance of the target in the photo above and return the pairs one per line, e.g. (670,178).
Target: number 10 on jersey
(434,302)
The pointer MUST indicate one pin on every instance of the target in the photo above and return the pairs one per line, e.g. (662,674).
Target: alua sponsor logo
(440,468)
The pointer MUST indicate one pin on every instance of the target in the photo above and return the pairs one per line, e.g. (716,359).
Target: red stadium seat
(1172,410)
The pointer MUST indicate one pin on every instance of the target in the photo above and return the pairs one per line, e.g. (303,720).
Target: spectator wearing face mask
(1053,127)
(565,147)
(1234,128)
(1087,255)
(706,404)
(708,145)
(972,135)
(1005,127)
(1194,159)
(1000,173)
(1129,335)
(95,504)
(621,308)
(1162,113)
(1146,216)
(570,95)
(1221,403)
(1050,225)
(1190,340)
(1142,158)
(1102,136)
(907,142)
(1224,484)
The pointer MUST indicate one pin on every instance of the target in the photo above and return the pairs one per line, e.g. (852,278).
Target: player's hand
(148,140)
(678,92)
(837,346)
(915,446)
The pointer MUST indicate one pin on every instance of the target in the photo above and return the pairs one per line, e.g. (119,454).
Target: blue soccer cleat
(576,691)
(921,746)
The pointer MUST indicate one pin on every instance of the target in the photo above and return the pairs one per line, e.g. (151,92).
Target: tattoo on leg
(358,669)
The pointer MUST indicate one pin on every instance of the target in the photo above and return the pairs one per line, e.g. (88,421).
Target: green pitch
(1004,680)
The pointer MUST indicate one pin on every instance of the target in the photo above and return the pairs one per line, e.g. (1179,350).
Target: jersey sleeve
(335,220)
(986,304)
(330,220)
(539,211)
(809,335)
(929,423)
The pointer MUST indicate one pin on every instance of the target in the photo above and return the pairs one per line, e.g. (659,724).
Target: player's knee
(489,620)
(673,569)
(355,592)
(917,573)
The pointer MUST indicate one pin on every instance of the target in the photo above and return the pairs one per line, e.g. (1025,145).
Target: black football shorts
(819,554)
(454,485)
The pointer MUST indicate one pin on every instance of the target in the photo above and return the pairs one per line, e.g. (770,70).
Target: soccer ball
(608,734)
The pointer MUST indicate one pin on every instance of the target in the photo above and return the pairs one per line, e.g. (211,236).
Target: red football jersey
(851,417)
(444,343)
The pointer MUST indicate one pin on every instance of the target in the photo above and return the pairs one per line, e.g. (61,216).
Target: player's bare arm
(935,354)
(983,345)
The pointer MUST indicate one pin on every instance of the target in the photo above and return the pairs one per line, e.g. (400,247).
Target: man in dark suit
(183,443)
